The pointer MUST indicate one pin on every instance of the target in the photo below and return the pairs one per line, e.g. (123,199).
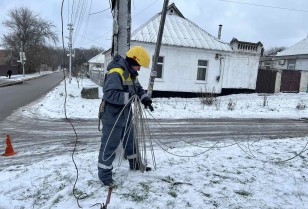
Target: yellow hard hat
(139,54)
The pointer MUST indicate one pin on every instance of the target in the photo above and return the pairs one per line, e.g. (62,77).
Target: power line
(86,27)
(145,8)
(81,13)
(268,6)
(99,11)
(72,12)
(101,36)
(68,11)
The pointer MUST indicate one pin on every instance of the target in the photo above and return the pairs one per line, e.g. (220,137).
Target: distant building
(193,61)
(97,62)
(290,67)
(5,65)
(96,67)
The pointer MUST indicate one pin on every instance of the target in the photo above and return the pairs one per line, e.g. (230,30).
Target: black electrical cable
(63,58)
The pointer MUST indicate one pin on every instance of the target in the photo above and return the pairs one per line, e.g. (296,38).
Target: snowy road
(13,97)
(38,139)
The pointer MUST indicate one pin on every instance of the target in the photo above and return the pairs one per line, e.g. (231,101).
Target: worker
(120,85)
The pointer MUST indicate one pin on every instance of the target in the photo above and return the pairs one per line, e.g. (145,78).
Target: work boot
(107,183)
(134,165)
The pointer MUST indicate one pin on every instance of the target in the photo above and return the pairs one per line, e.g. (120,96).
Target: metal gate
(266,81)
(290,81)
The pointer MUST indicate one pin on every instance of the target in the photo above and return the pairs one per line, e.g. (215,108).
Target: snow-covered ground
(280,105)
(229,175)
(20,77)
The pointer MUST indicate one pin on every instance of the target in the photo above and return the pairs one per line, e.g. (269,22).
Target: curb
(10,83)
(19,81)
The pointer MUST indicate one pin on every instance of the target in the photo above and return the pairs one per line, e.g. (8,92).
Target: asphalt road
(38,139)
(15,96)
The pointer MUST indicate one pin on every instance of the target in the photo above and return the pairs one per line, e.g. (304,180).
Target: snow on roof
(178,31)
(299,48)
(100,58)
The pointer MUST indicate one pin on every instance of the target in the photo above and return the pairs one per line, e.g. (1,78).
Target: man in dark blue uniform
(120,85)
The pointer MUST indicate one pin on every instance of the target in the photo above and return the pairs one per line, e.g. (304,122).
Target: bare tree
(274,50)
(82,55)
(30,33)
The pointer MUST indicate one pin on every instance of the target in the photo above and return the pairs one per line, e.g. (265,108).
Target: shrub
(231,105)
(301,105)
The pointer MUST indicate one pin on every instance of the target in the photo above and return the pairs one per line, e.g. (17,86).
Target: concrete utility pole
(70,45)
(121,27)
(22,59)
(157,48)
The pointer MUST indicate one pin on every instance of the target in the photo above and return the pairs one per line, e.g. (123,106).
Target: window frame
(162,67)
(291,66)
(267,65)
(202,67)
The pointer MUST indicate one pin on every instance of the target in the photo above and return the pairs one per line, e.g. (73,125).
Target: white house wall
(304,82)
(278,82)
(180,70)
(181,64)
(279,66)
(240,71)
(302,64)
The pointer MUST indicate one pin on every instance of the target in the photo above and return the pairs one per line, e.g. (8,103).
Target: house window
(291,64)
(159,67)
(267,66)
(202,66)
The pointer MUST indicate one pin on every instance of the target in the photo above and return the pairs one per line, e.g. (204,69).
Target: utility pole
(70,28)
(157,48)
(22,60)
(121,27)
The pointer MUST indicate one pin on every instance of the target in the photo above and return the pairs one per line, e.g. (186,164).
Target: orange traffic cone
(9,148)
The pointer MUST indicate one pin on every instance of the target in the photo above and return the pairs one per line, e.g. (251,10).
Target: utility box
(90,93)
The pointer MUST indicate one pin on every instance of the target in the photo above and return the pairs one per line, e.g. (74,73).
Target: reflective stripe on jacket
(118,88)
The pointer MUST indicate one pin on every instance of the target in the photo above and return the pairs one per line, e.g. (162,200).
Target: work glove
(147,102)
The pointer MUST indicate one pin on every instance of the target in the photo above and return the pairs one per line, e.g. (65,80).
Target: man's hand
(147,102)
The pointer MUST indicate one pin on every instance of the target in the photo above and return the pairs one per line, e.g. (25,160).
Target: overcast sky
(276,23)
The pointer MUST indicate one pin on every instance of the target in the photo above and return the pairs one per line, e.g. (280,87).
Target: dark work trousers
(107,150)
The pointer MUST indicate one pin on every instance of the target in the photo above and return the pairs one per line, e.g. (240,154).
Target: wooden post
(157,49)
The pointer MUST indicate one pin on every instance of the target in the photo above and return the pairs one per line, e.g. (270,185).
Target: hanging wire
(268,6)
(81,13)
(183,140)
(135,123)
(86,26)
(67,119)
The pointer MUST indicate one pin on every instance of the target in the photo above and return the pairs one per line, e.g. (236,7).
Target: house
(95,68)
(192,60)
(290,67)
(97,62)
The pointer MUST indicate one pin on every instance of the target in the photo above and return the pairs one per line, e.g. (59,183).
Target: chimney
(219,31)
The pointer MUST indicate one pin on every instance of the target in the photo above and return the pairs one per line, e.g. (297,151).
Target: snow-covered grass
(223,177)
(280,105)
(249,174)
